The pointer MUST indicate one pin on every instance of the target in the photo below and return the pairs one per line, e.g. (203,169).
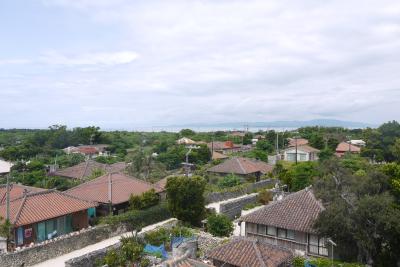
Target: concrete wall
(58,246)
(234,208)
(221,196)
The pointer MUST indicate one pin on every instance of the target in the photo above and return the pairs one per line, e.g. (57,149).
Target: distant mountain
(281,124)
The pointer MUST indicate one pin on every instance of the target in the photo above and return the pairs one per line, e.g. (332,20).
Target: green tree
(360,214)
(229,180)
(187,132)
(395,149)
(185,197)
(219,225)
(144,201)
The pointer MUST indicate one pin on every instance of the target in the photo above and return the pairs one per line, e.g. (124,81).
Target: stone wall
(59,246)
(234,208)
(90,259)
(221,196)
(206,242)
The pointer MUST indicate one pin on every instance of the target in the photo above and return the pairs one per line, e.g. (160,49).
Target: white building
(5,167)
(304,153)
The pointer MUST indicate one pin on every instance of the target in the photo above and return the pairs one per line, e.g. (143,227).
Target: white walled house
(304,153)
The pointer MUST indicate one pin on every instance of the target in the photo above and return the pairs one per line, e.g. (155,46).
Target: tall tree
(186,198)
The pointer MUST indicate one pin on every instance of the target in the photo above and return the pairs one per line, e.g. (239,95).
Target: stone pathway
(60,261)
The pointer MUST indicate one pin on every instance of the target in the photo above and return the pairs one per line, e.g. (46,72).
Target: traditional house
(5,167)
(86,169)
(246,252)
(226,147)
(245,167)
(186,141)
(40,216)
(90,151)
(111,191)
(297,141)
(303,153)
(289,223)
(218,156)
(344,148)
(16,191)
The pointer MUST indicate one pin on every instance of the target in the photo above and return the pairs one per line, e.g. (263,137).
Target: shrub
(136,219)
(144,201)
(264,196)
(130,252)
(186,198)
(163,235)
(230,180)
(219,225)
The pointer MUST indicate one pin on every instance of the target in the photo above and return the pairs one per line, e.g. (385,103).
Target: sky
(127,63)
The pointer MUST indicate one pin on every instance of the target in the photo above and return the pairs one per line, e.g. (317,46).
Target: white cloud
(113,58)
(210,61)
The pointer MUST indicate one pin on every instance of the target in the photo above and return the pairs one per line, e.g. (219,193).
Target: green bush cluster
(130,252)
(135,219)
(322,262)
(164,235)
(229,180)
(219,225)
(144,201)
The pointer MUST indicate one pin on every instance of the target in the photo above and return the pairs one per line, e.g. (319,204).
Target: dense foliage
(185,197)
(362,215)
(144,201)
(135,219)
(219,225)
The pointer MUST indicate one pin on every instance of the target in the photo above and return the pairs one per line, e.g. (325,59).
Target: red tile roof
(85,169)
(16,191)
(245,252)
(216,145)
(217,155)
(123,187)
(41,206)
(300,142)
(305,148)
(344,147)
(242,166)
(297,211)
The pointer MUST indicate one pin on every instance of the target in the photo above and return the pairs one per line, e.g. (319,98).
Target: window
(289,234)
(303,157)
(317,245)
(271,230)
(261,229)
(282,233)
(291,157)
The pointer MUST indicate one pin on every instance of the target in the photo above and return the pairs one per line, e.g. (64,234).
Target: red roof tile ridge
(311,193)
(274,203)
(240,165)
(20,209)
(258,253)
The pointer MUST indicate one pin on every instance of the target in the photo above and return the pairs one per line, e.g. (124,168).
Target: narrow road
(60,261)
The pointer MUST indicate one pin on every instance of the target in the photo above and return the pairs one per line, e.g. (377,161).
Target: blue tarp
(156,250)
(307,264)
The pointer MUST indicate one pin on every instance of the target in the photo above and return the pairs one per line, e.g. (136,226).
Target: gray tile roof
(246,252)
(297,211)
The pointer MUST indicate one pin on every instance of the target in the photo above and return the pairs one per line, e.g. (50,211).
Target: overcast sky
(125,63)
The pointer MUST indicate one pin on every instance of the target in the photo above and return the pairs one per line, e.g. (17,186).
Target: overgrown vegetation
(219,225)
(135,219)
(144,201)
(185,197)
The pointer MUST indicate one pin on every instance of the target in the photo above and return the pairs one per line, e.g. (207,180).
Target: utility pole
(296,149)
(110,193)
(8,198)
